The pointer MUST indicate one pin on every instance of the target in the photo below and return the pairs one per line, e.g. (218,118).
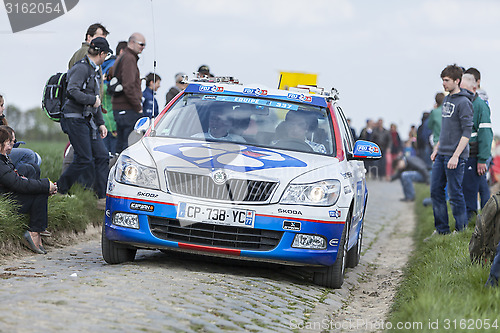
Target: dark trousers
(125,122)
(36,206)
(471,186)
(90,161)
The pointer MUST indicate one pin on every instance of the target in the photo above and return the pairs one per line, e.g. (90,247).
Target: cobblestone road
(72,289)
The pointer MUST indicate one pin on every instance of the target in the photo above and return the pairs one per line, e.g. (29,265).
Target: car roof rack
(333,93)
(211,79)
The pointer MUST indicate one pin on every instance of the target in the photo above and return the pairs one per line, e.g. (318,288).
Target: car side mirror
(142,125)
(365,150)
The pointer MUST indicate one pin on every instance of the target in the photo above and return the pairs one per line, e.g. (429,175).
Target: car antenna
(153,131)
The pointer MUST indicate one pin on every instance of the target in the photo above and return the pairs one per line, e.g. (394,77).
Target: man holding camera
(82,121)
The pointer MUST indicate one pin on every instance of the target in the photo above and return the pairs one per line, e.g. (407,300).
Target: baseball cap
(100,44)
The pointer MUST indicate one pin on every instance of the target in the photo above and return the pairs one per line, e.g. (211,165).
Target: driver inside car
(294,130)
(220,124)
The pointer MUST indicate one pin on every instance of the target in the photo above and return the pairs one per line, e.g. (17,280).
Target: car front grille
(215,235)
(236,190)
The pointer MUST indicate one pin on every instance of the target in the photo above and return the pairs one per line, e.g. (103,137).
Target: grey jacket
(456,122)
(83,87)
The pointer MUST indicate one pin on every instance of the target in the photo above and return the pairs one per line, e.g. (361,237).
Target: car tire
(354,254)
(114,253)
(333,276)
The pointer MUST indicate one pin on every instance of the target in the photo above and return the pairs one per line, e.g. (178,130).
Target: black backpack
(54,95)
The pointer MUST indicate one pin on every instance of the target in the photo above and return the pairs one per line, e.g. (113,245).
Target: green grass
(66,213)
(52,157)
(441,284)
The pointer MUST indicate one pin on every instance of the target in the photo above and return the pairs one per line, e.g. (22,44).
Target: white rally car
(227,169)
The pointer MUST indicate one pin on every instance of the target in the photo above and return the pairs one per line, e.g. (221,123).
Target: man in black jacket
(410,169)
(82,121)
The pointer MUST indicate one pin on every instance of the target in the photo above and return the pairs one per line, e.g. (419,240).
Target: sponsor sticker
(300,97)
(291,225)
(335,213)
(346,175)
(146,194)
(213,89)
(334,242)
(255,91)
(142,207)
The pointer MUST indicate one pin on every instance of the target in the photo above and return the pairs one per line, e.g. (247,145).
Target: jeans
(90,162)
(110,143)
(26,161)
(495,270)
(470,186)
(125,122)
(442,176)
(407,179)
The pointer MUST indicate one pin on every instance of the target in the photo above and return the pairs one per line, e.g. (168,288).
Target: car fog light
(126,220)
(303,241)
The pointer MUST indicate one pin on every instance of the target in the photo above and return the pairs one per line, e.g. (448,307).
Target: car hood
(236,160)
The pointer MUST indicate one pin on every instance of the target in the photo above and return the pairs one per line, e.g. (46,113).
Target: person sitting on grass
(30,194)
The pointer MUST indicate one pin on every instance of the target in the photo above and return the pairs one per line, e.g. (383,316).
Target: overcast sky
(384,57)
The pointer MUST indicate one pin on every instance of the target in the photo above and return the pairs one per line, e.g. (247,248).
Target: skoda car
(243,171)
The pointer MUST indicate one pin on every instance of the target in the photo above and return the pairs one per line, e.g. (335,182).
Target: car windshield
(255,121)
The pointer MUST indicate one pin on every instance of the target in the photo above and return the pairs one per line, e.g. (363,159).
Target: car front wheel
(333,276)
(114,253)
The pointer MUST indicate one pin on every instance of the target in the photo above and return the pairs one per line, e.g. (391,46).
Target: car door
(355,170)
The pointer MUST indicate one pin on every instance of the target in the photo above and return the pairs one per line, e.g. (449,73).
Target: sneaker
(45,233)
(101,204)
(432,236)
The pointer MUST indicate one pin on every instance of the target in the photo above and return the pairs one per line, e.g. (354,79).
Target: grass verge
(442,290)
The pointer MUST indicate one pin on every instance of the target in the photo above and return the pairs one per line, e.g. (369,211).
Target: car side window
(346,132)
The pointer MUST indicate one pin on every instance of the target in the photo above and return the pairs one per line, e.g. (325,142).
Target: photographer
(83,122)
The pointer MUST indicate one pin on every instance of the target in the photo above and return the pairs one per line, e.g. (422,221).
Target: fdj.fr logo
(300,97)
(212,88)
(335,213)
(25,14)
(257,91)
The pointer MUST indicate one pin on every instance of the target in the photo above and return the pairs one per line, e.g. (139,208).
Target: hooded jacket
(456,122)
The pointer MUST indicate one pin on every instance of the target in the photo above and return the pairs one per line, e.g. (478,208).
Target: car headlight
(322,193)
(130,172)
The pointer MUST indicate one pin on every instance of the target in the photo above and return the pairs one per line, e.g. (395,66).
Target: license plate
(216,215)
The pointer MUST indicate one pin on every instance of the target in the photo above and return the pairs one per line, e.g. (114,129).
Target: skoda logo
(219,177)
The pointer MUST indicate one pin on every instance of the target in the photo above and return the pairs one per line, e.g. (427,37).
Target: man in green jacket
(480,147)
(94,31)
